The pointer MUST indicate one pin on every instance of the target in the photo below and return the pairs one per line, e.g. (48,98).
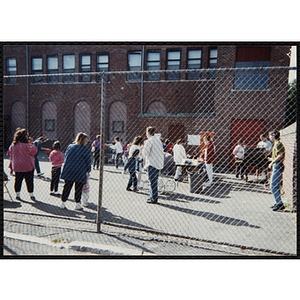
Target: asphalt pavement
(231,219)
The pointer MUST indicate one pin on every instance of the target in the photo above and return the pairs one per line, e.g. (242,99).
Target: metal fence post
(102,141)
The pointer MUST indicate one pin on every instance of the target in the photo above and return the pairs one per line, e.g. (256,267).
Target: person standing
(278,155)
(78,163)
(267,146)
(179,155)
(209,159)
(38,143)
(131,165)
(137,145)
(22,157)
(238,152)
(119,150)
(96,152)
(154,154)
(57,159)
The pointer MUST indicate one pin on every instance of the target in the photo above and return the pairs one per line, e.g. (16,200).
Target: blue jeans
(276,182)
(37,164)
(153,179)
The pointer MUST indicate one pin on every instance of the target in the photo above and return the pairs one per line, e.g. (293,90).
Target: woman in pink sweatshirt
(57,159)
(22,156)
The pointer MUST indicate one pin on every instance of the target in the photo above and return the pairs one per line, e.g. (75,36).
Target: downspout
(142,81)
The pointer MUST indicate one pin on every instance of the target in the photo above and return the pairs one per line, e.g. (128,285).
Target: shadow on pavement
(210,216)
(9,204)
(178,196)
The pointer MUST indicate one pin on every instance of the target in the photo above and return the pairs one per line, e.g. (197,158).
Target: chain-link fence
(208,155)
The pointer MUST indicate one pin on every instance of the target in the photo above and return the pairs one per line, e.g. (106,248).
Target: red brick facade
(214,109)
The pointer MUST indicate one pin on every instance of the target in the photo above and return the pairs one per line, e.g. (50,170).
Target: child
(86,192)
(57,159)
(131,166)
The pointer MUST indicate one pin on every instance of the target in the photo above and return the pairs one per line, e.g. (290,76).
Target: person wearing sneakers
(278,154)
(154,154)
(78,162)
(22,155)
(57,159)
(131,165)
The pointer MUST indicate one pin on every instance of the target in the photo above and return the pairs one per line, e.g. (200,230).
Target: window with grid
(85,66)
(52,68)
(134,64)
(68,67)
(173,63)
(11,69)
(102,65)
(212,62)
(194,62)
(36,68)
(252,57)
(153,63)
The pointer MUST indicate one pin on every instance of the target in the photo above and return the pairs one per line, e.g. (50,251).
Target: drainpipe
(27,94)
(142,81)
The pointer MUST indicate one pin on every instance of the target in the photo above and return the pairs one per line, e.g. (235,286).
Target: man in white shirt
(154,154)
(119,150)
(238,152)
(179,155)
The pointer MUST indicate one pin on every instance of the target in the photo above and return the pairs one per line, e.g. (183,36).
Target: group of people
(149,154)
(77,164)
(274,152)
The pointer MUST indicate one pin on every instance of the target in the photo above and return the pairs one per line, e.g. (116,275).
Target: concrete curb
(102,249)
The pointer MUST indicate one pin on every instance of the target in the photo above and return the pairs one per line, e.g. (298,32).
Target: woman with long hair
(22,157)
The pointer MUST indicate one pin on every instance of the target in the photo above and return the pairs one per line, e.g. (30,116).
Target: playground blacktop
(41,228)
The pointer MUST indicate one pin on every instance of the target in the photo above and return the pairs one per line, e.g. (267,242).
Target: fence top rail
(155,72)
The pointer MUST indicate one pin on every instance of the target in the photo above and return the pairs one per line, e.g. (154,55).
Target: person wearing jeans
(154,154)
(278,154)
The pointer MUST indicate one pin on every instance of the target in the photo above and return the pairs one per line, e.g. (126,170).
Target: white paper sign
(194,140)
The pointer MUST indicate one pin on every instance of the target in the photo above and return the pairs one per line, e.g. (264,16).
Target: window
(153,63)
(50,125)
(118,126)
(102,65)
(68,67)
(134,64)
(36,68)
(252,57)
(194,62)
(11,69)
(173,63)
(212,64)
(52,68)
(85,66)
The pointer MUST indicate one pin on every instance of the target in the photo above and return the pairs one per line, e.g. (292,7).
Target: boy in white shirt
(238,152)
(119,150)
(179,155)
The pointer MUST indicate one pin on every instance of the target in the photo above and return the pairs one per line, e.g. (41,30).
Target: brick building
(179,104)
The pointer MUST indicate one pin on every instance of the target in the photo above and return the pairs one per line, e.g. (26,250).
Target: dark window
(252,57)
(153,63)
(134,64)
(11,69)
(52,68)
(36,68)
(194,62)
(173,63)
(85,66)
(212,63)
(68,67)
(50,125)
(118,126)
(102,65)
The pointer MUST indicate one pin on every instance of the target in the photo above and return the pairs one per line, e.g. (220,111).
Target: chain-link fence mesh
(212,195)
